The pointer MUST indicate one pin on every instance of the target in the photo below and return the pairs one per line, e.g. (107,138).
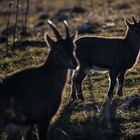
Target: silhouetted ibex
(33,95)
(115,55)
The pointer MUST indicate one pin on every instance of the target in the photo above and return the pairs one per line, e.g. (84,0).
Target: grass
(81,121)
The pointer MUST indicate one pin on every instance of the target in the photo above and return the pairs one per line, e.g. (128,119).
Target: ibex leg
(77,84)
(112,82)
(42,130)
(120,83)
(27,133)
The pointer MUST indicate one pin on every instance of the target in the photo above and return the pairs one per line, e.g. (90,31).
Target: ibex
(116,55)
(33,95)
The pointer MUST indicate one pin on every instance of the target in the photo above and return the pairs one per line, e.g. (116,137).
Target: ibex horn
(128,23)
(134,20)
(67,29)
(55,30)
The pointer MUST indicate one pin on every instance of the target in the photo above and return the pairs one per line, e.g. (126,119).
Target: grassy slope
(78,122)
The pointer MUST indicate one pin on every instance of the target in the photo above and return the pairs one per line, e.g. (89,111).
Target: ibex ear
(127,23)
(74,36)
(49,40)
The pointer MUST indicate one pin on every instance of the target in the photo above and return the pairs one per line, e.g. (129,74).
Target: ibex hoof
(120,94)
(80,97)
(72,98)
(109,97)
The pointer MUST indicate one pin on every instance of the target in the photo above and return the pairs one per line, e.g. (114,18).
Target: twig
(15,27)
(26,16)
(7,26)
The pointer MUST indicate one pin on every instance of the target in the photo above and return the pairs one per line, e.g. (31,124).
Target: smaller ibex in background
(33,95)
(115,55)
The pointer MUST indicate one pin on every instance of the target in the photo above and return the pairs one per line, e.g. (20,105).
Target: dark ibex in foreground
(33,95)
(115,55)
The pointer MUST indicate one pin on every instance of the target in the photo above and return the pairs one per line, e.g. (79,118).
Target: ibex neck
(132,44)
(53,66)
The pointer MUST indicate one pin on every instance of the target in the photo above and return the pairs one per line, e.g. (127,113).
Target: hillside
(80,120)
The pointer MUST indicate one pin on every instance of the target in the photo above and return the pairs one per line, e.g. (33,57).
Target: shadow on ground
(90,123)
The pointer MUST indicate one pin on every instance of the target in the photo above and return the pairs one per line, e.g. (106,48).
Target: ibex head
(133,31)
(63,48)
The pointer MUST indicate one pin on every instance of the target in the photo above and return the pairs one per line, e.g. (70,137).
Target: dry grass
(80,121)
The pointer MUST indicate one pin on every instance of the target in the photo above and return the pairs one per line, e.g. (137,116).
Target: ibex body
(113,54)
(33,95)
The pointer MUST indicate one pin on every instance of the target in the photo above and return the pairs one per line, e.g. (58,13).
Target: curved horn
(67,29)
(127,23)
(55,30)
(134,20)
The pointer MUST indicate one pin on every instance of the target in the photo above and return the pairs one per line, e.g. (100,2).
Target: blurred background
(22,27)
(89,16)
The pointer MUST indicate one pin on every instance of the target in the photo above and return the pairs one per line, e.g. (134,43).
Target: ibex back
(113,54)
(32,96)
